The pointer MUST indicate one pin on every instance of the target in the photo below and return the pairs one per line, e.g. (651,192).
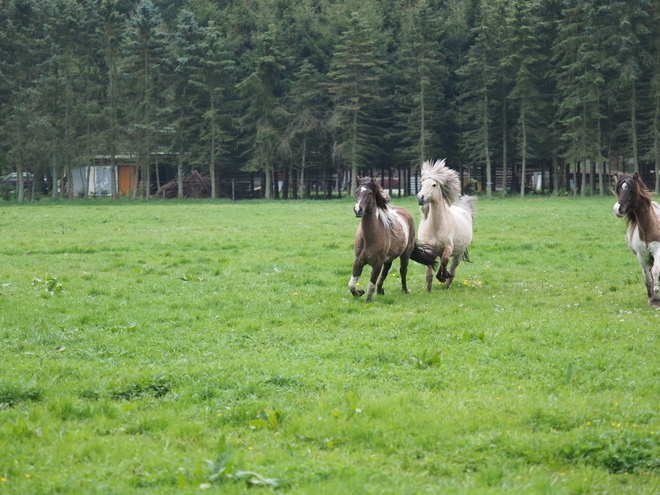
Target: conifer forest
(309,92)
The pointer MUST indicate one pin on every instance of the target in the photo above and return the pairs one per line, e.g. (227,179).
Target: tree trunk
(505,158)
(53,192)
(179,178)
(20,185)
(214,193)
(633,126)
(524,153)
(268,192)
(489,177)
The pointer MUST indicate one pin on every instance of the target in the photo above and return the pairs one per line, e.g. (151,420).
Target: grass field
(179,347)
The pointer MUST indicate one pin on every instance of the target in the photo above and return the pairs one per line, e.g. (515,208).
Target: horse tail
(465,202)
(424,254)
(466,256)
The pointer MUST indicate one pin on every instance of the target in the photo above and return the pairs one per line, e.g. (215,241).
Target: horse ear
(374,179)
(357,178)
(636,176)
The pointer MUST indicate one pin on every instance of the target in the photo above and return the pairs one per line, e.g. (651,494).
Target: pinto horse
(642,216)
(386,232)
(447,219)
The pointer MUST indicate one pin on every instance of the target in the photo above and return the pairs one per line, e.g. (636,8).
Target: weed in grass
(13,393)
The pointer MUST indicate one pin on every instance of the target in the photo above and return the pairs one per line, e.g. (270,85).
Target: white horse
(447,219)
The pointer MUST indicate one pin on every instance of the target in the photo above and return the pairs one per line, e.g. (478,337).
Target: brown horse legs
(352,285)
(377,279)
(381,279)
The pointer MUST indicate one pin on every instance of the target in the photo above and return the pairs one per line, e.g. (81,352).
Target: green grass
(141,340)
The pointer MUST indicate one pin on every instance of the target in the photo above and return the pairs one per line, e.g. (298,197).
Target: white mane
(446,178)
(383,214)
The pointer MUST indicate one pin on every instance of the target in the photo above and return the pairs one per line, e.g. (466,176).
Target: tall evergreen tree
(420,93)
(479,78)
(653,133)
(264,118)
(356,71)
(579,86)
(307,104)
(110,32)
(213,76)
(626,56)
(144,42)
(526,62)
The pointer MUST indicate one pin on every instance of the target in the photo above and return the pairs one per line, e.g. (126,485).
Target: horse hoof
(357,292)
(655,302)
(381,292)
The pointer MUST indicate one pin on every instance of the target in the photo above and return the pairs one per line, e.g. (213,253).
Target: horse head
(439,183)
(367,192)
(631,194)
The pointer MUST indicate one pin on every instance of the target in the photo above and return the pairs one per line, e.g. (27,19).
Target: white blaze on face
(617,205)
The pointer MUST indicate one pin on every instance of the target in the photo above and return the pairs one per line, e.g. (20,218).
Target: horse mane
(641,195)
(381,198)
(446,178)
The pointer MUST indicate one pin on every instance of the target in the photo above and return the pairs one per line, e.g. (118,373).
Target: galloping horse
(386,232)
(643,220)
(447,219)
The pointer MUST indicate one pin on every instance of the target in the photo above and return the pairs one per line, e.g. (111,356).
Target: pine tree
(579,86)
(144,42)
(420,93)
(110,32)
(213,76)
(264,118)
(479,77)
(526,62)
(625,39)
(307,104)
(653,134)
(356,72)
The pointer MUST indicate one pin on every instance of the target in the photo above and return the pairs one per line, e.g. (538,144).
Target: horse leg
(403,271)
(381,280)
(357,271)
(654,300)
(375,272)
(443,274)
(452,270)
(429,278)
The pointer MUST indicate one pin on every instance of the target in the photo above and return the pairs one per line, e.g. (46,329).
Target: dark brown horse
(386,232)
(642,216)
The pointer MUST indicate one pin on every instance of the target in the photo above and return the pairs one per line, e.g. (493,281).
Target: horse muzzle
(357,209)
(617,210)
(421,200)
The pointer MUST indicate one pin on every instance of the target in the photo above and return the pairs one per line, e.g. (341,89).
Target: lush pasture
(141,340)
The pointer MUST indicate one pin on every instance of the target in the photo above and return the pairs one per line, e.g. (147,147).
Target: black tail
(424,254)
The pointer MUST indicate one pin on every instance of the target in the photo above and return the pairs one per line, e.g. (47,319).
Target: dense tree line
(288,88)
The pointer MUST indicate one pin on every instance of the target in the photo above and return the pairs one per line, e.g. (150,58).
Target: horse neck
(439,215)
(371,222)
(646,220)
